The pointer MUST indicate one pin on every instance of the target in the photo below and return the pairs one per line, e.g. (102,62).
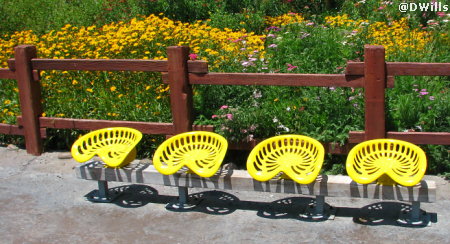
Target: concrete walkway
(42,201)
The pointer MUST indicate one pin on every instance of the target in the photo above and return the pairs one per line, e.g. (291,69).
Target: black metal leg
(415,211)
(102,189)
(320,202)
(103,194)
(184,202)
(182,195)
(319,210)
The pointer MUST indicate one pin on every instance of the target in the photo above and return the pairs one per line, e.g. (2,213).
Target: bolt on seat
(294,157)
(115,146)
(389,162)
(201,152)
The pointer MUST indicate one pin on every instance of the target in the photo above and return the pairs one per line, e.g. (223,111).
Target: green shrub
(44,15)
(236,21)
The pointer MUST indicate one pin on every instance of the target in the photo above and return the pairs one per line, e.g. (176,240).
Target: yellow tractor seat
(200,151)
(115,146)
(298,157)
(387,160)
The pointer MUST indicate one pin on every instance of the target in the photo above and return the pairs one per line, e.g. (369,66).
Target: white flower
(283,127)
(257,94)
(250,137)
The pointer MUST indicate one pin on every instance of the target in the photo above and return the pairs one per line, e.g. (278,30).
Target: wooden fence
(374,75)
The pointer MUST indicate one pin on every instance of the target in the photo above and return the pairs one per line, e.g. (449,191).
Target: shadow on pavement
(222,203)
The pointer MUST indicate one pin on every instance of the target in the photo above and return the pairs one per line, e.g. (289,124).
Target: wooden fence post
(29,97)
(180,89)
(374,92)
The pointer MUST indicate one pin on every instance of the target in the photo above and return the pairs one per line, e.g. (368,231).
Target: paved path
(42,201)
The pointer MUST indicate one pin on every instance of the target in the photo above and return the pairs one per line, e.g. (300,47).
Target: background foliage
(306,36)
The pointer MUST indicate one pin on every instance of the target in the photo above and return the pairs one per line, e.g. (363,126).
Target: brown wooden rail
(8,129)
(264,79)
(401,68)
(144,65)
(7,74)
(374,75)
(432,138)
(150,128)
(278,79)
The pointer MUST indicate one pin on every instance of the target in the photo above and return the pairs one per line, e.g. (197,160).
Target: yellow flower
(6,102)
(89,90)
(113,88)
(113,114)
(284,19)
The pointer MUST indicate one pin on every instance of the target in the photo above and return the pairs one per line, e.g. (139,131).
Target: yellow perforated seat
(115,146)
(200,151)
(299,157)
(386,160)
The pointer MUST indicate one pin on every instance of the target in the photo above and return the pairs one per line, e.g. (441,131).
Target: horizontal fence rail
(330,147)
(374,75)
(94,124)
(431,138)
(108,65)
(7,74)
(267,79)
(150,128)
(8,129)
(278,79)
(402,68)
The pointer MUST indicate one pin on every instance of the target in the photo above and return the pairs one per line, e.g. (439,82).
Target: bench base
(414,216)
(229,179)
